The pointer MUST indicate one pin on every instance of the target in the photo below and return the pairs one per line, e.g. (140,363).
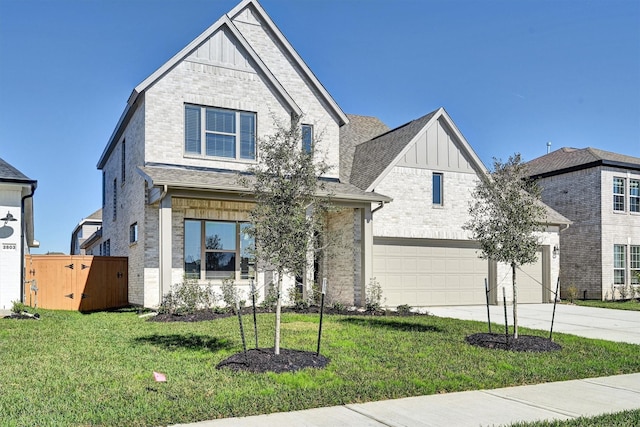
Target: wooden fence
(77,282)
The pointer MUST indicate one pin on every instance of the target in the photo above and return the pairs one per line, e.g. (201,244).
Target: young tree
(506,214)
(288,211)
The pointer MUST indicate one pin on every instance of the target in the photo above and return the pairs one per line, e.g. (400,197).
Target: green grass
(633,304)
(96,369)
(618,419)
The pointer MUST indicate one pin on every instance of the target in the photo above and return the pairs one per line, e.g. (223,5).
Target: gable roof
(567,159)
(375,158)
(358,130)
(226,22)
(9,173)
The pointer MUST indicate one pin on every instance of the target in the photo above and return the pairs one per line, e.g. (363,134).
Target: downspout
(165,190)
(22,243)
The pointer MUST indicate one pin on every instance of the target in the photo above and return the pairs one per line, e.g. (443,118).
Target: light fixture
(8,218)
(556,251)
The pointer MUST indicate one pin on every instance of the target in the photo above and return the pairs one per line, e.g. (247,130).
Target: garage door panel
(429,274)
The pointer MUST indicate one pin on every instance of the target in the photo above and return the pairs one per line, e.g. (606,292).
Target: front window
(307,138)
(634,195)
(437,189)
(619,263)
(618,194)
(216,132)
(634,264)
(224,246)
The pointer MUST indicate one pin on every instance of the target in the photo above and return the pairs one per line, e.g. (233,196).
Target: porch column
(366,224)
(164,247)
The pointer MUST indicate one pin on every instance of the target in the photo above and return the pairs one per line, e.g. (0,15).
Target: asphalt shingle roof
(10,174)
(359,129)
(227,181)
(568,159)
(371,158)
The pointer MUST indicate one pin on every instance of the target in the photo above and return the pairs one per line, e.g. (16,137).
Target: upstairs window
(133,233)
(436,189)
(634,195)
(307,138)
(123,163)
(618,194)
(115,199)
(216,132)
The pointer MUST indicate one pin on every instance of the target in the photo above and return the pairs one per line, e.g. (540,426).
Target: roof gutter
(380,206)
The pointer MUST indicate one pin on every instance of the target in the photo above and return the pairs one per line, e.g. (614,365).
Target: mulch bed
(264,360)
(528,343)
(23,316)
(203,315)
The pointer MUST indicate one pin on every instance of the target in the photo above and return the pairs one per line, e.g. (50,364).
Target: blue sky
(513,75)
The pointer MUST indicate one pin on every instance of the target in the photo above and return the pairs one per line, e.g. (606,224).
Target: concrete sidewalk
(559,400)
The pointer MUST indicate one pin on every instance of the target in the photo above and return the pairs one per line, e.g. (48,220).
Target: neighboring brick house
(16,231)
(169,168)
(422,256)
(84,231)
(600,192)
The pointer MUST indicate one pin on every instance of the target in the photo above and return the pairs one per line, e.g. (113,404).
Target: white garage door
(421,272)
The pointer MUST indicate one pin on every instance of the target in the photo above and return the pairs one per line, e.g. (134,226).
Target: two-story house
(16,231)
(600,192)
(169,168)
(170,184)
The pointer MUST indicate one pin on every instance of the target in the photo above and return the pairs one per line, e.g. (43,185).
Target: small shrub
(271,297)
(572,292)
(188,297)
(338,306)
(404,310)
(230,294)
(373,295)
(624,291)
(17,307)
(297,300)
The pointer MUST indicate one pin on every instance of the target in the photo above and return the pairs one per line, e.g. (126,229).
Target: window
(437,189)
(133,232)
(225,248)
(104,189)
(634,264)
(618,194)
(123,158)
(307,138)
(215,132)
(634,195)
(115,198)
(619,264)
(105,248)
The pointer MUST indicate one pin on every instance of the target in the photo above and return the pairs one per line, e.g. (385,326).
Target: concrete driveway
(589,322)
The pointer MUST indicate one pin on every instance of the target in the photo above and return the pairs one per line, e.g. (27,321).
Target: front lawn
(632,304)
(97,369)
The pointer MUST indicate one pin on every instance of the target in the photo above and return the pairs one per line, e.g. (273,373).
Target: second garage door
(423,272)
